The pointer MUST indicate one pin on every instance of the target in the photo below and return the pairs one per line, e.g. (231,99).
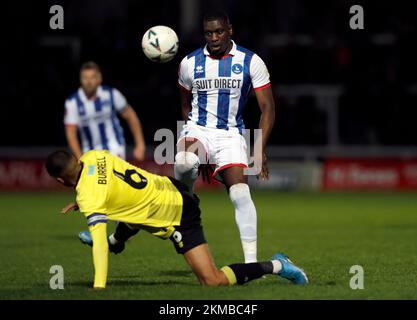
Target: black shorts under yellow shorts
(189,234)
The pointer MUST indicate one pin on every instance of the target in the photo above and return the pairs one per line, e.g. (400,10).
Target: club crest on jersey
(237,68)
(106,104)
(199,69)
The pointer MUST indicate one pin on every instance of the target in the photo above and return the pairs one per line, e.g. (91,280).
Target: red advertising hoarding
(370,174)
(30,175)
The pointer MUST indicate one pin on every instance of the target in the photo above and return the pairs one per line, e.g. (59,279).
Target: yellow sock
(230,275)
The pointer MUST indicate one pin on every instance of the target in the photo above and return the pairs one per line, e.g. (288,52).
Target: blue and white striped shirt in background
(96,119)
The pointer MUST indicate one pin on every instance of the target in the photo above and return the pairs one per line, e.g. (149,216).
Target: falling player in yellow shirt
(109,188)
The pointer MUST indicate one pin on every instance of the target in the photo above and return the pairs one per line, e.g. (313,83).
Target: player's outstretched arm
(135,126)
(266,123)
(100,253)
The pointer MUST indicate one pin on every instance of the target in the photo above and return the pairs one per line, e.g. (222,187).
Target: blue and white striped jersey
(96,119)
(220,87)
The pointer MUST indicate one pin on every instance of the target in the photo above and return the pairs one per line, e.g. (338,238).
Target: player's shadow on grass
(142,282)
(65,237)
(131,283)
(176,273)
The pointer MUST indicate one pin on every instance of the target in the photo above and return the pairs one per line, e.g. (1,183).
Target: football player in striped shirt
(215,82)
(109,188)
(92,111)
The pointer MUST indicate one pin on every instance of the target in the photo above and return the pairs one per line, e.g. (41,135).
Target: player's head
(217,31)
(90,77)
(64,167)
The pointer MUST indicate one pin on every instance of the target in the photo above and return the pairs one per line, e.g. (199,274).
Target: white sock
(245,215)
(277,266)
(186,168)
(249,251)
(112,239)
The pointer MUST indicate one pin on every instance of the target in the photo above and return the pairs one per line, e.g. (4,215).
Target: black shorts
(189,234)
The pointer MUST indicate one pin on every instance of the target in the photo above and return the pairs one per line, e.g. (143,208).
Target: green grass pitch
(325,233)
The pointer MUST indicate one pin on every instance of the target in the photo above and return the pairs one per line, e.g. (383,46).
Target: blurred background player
(92,111)
(109,188)
(215,82)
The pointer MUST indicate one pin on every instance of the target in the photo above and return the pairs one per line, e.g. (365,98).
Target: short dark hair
(90,65)
(212,15)
(57,163)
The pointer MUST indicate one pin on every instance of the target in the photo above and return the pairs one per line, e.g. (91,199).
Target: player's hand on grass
(206,171)
(139,152)
(70,207)
(264,174)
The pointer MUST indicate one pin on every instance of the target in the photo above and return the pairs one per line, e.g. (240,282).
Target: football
(160,44)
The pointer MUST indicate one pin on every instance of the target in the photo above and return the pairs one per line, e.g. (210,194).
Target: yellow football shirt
(109,188)
(122,192)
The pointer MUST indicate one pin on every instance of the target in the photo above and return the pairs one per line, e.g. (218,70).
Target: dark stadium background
(378,106)
(346,121)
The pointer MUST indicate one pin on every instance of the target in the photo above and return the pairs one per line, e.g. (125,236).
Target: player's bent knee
(239,192)
(186,161)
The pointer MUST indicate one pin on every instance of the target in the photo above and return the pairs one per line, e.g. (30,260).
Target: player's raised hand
(264,174)
(139,152)
(70,207)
